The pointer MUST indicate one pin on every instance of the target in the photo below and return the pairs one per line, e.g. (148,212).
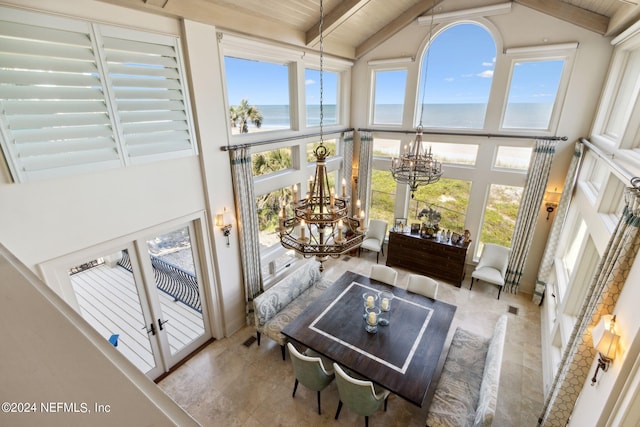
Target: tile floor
(231,384)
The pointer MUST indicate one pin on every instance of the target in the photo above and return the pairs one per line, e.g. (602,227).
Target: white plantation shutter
(52,100)
(79,97)
(146,84)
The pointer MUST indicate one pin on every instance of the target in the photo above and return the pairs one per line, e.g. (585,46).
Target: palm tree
(244,113)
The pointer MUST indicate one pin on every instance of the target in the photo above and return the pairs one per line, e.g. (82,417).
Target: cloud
(542,95)
(309,82)
(487,64)
(487,74)
(449,79)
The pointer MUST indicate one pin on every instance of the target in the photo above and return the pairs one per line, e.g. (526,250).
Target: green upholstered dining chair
(384,274)
(310,370)
(422,285)
(360,396)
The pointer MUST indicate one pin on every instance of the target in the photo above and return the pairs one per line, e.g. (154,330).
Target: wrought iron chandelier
(320,224)
(415,167)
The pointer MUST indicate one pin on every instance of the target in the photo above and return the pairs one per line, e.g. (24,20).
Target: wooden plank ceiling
(354,27)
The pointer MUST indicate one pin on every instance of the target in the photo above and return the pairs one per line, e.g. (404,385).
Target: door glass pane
(177,288)
(108,299)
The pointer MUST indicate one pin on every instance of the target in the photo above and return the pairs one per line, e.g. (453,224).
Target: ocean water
(277,116)
(454,116)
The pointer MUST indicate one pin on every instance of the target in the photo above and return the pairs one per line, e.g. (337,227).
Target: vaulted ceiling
(354,27)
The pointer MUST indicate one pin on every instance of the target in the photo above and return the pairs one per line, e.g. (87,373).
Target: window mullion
(107,84)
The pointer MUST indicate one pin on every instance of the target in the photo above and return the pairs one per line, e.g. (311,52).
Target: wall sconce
(551,200)
(605,341)
(223,221)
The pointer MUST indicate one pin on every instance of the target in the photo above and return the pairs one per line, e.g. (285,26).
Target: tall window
(458,76)
(271,161)
(383,196)
(532,94)
(513,157)
(329,97)
(500,216)
(448,196)
(389,92)
(258,95)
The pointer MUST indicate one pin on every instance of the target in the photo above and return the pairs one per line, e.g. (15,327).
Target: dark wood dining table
(404,357)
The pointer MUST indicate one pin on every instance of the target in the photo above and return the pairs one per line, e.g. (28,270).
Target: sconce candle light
(605,341)
(551,200)
(224,223)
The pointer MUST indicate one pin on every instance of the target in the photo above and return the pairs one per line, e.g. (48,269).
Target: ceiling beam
(570,13)
(334,19)
(625,16)
(404,19)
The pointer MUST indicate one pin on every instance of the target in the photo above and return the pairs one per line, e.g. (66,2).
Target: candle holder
(385,308)
(370,299)
(371,320)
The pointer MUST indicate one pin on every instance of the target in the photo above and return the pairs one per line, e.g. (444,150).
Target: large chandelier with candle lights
(320,224)
(416,166)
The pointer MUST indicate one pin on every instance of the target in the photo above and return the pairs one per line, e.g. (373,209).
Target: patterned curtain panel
(558,223)
(366,163)
(347,158)
(529,210)
(602,296)
(247,225)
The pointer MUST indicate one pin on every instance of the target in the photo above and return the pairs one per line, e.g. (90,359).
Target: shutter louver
(52,101)
(77,96)
(148,92)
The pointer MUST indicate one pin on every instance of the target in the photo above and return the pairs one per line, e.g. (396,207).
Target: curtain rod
(487,135)
(607,158)
(283,139)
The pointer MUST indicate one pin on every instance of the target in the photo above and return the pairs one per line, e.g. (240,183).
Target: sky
(460,67)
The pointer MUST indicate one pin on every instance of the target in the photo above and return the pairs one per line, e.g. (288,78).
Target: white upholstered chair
(384,274)
(422,285)
(360,396)
(374,237)
(492,266)
(311,371)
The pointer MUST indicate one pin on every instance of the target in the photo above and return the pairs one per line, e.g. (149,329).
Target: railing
(172,280)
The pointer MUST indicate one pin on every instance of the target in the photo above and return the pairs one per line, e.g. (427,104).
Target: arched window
(458,66)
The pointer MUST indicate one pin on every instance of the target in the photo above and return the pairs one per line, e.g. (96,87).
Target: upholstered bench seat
(467,391)
(276,307)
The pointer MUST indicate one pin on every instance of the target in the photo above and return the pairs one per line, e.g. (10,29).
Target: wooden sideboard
(439,260)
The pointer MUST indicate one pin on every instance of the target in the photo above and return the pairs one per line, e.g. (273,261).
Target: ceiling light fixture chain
(320,224)
(415,167)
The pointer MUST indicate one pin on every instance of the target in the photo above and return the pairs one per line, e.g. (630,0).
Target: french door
(145,298)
